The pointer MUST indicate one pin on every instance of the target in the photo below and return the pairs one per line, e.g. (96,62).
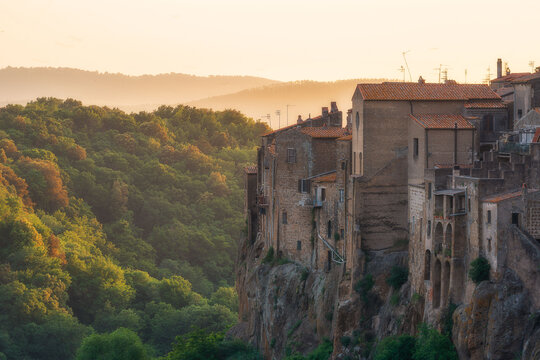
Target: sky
(277,39)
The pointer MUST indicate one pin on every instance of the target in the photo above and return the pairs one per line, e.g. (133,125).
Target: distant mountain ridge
(304,98)
(130,93)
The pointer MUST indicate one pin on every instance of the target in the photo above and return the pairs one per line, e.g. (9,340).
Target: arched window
(357,120)
(438,239)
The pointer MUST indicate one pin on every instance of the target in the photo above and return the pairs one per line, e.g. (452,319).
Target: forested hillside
(111,220)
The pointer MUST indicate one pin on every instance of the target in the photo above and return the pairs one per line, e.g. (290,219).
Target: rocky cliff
(287,309)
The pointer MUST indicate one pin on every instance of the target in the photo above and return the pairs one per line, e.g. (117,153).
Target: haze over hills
(130,93)
(304,98)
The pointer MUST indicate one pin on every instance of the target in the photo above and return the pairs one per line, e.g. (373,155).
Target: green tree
(122,344)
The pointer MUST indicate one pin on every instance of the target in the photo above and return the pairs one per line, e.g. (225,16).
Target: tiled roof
(527,77)
(419,91)
(279,130)
(442,121)
(510,77)
(252,169)
(506,196)
(325,178)
(345,138)
(485,105)
(536,137)
(325,132)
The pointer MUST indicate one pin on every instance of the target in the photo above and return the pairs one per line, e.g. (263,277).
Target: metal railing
(336,257)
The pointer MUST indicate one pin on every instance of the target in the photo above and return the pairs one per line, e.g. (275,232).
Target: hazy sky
(283,40)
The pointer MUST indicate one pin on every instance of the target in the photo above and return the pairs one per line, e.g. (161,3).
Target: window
(354,162)
(360,163)
(515,219)
(343,165)
(520,113)
(429,190)
(429,228)
(342,233)
(304,185)
(284,217)
(357,120)
(488,123)
(415,147)
(323,194)
(341,195)
(298,245)
(291,155)
(489,244)
(329,229)
(489,217)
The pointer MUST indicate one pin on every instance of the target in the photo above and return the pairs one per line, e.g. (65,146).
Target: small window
(329,229)
(291,155)
(341,195)
(342,233)
(429,191)
(489,244)
(488,217)
(343,165)
(357,120)
(304,186)
(354,162)
(323,194)
(469,204)
(429,228)
(284,217)
(360,163)
(515,219)
(520,113)
(298,245)
(415,147)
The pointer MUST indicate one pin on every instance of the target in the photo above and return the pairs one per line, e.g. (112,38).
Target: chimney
(499,68)
(349,119)
(325,111)
(421,80)
(333,107)
(299,121)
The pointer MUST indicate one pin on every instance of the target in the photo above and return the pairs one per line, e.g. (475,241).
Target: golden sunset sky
(282,40)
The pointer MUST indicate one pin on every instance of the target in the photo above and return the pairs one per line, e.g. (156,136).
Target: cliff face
(286,309)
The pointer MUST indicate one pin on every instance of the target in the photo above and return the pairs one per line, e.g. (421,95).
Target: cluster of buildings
(449,172)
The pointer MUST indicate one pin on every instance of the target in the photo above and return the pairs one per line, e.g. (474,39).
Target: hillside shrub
(396,348)
(269,258)
(398,277)
(479,270)
(364,286)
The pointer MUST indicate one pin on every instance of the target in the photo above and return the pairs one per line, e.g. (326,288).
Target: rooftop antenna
(402,70)
(531,64)
(442,71)
(288,113)
(406,64)
(278,113)
(465,76)
(267,117)
(487,79)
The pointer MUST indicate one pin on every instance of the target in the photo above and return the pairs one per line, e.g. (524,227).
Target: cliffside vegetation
(117,228)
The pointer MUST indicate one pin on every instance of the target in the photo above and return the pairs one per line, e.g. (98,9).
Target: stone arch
(427,265)
(447,246)
(445,282)
(437,284)
(438,238)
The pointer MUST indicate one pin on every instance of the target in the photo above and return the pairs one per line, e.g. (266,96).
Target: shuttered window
(291,155)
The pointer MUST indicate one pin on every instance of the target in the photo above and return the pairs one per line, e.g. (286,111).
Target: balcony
(513,148)
(317,203)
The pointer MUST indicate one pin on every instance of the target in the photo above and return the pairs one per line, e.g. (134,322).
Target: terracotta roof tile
(442,121)
(510,77)
(325,132)
(536,137)
(252,169)
(325,178)
(345,138)
(485,105)
(279,130)
(426,91)
(527,77)
(501,197)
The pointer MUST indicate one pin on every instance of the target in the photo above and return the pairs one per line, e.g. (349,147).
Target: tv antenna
(267,117)
(487,79)
(288,105)
(442,71)
(465,76)
(402,70)
(278,113)
(406,64)
(531,64)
